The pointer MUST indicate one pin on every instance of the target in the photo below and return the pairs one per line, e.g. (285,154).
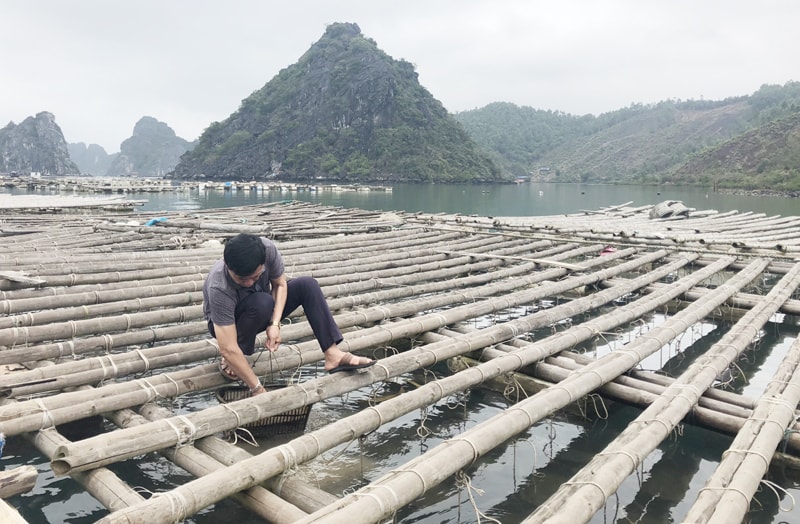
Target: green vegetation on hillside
(742,142)
(345,111)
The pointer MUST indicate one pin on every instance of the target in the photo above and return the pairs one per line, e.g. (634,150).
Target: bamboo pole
(188,298)
(73,328)
(16,481)
(620,458)
(727,493)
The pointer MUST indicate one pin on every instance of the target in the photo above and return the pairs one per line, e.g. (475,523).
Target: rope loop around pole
(747,452)
(377,411)
(47,417)
(144,359)
(726,488)
(475,453)
(147,386)
(588,483)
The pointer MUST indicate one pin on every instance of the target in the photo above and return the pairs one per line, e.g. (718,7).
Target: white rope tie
(108,343)
(442,319)
(177,505)
(419,476)
(666,426)
(192,428)
(307,400)
(313,437)
(634,461)
(47,418)
(73,327)
(726,488)
(475,453)
(150,388)
(527,415)
(289,457)
(386,312)
(144,358)
(392,492)
(235,413)
(747,452)
(385,369)
(433,354)
(376,499)
(114,369)
(588,483)
(127,321)
(377,411)
(177,386)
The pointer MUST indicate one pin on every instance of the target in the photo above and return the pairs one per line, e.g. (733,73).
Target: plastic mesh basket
(292,421)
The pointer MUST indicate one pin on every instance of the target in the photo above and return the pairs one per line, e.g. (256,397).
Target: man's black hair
(244,253)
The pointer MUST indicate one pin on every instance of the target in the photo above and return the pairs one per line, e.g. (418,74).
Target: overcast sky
(101,65)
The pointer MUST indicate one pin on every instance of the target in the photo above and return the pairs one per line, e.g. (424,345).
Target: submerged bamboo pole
(727,494)
(603,475)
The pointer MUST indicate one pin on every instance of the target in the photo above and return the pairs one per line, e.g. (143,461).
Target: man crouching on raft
(247,292)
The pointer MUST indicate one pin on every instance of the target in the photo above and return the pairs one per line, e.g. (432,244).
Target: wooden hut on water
(102,316)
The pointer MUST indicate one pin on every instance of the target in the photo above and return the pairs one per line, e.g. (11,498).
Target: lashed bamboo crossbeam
(288,486)
(8,307)
(257,499)
(304,448)
(72,328)
(101,483)
(253,409)
(727,493)
(403,484)
(602,476)
(293,490)
(188,298)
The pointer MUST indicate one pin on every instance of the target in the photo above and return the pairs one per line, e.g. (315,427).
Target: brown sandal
(226,371)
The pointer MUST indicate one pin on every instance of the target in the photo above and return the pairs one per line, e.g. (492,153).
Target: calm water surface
(517,476)
(529,199)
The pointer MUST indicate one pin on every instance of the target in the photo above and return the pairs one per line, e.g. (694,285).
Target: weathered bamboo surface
(102,314)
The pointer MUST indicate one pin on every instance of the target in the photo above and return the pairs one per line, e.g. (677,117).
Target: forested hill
(345,111)
(745,142)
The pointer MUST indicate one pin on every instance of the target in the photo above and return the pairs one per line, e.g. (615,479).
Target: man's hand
(273,337)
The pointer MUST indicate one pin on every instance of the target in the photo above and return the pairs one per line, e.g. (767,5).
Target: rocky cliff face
(36,145)
(345,111)
(91,159)
(153,151)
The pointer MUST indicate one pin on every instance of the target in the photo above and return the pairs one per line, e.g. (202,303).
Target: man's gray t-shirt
(221,293)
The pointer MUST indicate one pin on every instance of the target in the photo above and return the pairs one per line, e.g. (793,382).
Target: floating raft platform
(102,315)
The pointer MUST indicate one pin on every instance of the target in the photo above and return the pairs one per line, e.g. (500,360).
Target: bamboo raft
(102,315)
